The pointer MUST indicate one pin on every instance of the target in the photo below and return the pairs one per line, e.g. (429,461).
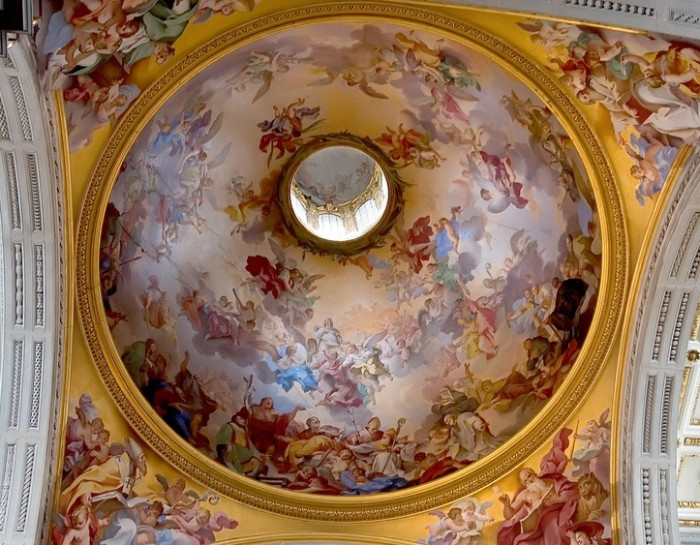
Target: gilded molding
(695,331)
(684,384)
(387,505)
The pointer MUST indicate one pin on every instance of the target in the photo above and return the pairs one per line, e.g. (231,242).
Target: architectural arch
(33,308)
(660,326)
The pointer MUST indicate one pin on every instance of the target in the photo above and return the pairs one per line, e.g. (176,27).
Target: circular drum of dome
(443,349)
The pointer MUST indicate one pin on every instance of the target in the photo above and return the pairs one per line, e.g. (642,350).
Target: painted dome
(367,371)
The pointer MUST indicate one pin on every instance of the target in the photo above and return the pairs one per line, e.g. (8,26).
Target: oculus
(339,194)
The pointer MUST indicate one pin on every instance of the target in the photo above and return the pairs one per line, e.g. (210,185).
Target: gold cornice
(684,384)
(321,538)
(386,505)
(696,325)
(68,273)
(521,14)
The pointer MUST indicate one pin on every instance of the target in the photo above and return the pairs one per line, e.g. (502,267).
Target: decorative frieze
(16,385)
(620,7)
(8,159)
(21,108)
(39,281)
(33,176)
(6,484)
(27,482)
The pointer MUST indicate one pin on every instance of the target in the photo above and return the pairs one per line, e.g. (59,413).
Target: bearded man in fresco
(543,509)
(267,427)
(315,439)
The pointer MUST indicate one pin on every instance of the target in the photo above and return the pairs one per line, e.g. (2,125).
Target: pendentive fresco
(112,494)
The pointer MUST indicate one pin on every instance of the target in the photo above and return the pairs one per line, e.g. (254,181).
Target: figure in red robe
(543,510)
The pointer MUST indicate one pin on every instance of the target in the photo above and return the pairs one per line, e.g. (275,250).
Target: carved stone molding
(32,307)
(654,374)
(676,17)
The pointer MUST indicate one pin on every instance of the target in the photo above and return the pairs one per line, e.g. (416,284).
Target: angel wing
(163,481)
(213,129)
(515,241)
(266,78)
(60,522)
(116,449)
(234,214)
(219,520)
(474,173)
(331,76)
(531,26)
(603,420)
(245,74)
(309,281)
(498,205)
(373,339)
(192,494)
(411,59)
(220,157)
(484,506)
(370,91)
(195,99)
(280,254)
(437,513)
(633,152)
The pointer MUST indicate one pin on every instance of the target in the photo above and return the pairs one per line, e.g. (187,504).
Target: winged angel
(260,69)
(462,525)
(179,518)
(496,178)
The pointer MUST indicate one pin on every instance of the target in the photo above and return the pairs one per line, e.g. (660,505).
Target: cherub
(81,525)
(78,531)
(260,68)
(497,180)
(461,525)
(175,494)
(148,515)
(283,132)
(474,513)
(99,453)
(199,524)
(548,35)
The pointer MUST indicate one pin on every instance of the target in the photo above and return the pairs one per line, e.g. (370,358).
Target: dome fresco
(363,373)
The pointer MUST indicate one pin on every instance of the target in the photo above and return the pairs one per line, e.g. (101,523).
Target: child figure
(78,532)
(99,453)
(83,524)
(474,519)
